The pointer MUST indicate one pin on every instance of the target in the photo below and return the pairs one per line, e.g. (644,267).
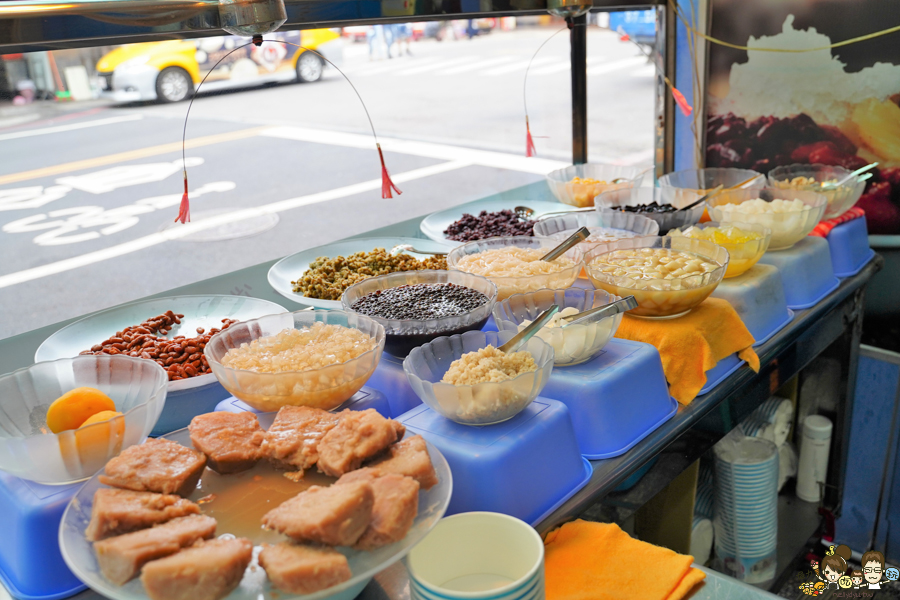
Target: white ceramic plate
(434,224)
(291,268)
(198,311)
(268,489)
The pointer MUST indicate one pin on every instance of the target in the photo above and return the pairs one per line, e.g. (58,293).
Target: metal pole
(578,42)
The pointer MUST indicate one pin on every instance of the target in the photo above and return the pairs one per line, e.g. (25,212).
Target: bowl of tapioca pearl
(668,276)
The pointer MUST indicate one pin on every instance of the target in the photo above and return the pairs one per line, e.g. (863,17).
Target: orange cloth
(692,345)
(599,561)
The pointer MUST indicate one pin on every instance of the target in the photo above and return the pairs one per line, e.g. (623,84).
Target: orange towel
(692,345)
(599,561)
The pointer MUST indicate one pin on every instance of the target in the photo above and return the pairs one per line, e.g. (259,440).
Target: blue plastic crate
(524,467)
(184,405)
(806,271)
(364,399)
(615,399)
(31,566)
(720,372)
(849,246)
(389,379)
(758,297)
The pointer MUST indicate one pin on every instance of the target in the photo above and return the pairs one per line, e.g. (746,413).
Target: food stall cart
(831,327)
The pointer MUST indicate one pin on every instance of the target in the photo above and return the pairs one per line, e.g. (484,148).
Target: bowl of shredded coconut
(514,264)
(789,214)
(467,379)
(317,358)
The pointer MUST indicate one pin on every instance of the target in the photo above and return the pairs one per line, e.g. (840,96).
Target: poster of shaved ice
(832,106)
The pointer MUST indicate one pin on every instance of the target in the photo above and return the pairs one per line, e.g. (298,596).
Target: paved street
(87,197)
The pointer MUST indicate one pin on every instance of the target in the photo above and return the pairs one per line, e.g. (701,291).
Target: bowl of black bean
(416,307)
(663,205)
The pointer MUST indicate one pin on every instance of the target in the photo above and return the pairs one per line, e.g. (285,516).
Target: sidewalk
(14,116)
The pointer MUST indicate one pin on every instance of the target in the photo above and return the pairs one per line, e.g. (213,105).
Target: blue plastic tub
(758,297)
(635,477)
(389,379)
(184,405)
(524,467)
(615,399)
(720,372)
(849,245)
(364,399)
(806,271)
(31,566)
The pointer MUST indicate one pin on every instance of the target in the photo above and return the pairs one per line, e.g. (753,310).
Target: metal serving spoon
(400,248)
(519,340)
(715,191)
(601,312)
(579,236)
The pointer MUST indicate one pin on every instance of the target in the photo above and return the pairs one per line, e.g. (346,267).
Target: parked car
(356,33)
(168,71)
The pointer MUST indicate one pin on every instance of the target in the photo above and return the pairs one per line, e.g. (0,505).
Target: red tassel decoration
(386,184)
(184,212)
(530,150)
(682,102)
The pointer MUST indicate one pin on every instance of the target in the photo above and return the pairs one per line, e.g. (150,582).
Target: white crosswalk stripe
(616,65)
(563,65)
(518,66)
(477,65)
(432,66)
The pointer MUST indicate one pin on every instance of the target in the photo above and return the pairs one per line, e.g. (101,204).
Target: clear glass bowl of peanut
(815,178)
(668,276)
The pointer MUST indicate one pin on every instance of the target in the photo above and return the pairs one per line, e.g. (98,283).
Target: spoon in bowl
(837,184)
(704,198)
(519,340)
(579,236)
(401,248)
(601,312)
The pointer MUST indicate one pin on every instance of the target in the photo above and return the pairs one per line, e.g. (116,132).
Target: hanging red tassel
(386,184)
(682,102)
(530,150)
(184,212)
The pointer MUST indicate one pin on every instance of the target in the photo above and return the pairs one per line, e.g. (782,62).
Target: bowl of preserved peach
(316,358)
(746,242)
(64,419)
(668,276)
(578,185)
(514,264)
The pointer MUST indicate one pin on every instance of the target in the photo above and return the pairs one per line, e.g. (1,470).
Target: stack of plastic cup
(746,507)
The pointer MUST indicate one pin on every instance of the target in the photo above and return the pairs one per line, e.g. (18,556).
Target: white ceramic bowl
(28,449)
(582,194)
(788,228)
(476,556)
(573,344)
(482,403)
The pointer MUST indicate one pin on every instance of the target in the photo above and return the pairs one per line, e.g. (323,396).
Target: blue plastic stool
(759,300)
(806,271)
(849,246)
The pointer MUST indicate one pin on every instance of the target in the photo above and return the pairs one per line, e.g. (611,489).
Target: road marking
(624,63)
(483,158)
(175,233)
(390,65)
(440,65)
(477,65)
(521,65)
(110,159)
(72,127)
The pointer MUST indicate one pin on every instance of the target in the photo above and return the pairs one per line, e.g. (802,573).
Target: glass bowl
(401,336)
(661,298)
(840,199)
(787,228)
(507,285)
(618,200)
(28,449)
(583,194)
(482,403)
(741,255)
(572,345)
(704,180)
(606,226)
(325,387)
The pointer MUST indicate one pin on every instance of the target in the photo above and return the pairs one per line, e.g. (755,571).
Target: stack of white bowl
(702,533)
(746,507)
(478,556)
(772,421)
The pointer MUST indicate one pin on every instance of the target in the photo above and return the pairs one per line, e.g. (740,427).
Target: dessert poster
(836,106)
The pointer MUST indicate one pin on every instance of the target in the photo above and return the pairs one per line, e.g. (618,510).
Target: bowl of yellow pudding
(573,344)
(668,276)
(514,264)
(746,242)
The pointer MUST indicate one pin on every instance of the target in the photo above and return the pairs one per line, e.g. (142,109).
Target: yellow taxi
(168,71)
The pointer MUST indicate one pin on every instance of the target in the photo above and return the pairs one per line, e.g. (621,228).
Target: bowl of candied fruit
(414,307)
(668,276)
(578,185)
(820,179)
(746,242)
